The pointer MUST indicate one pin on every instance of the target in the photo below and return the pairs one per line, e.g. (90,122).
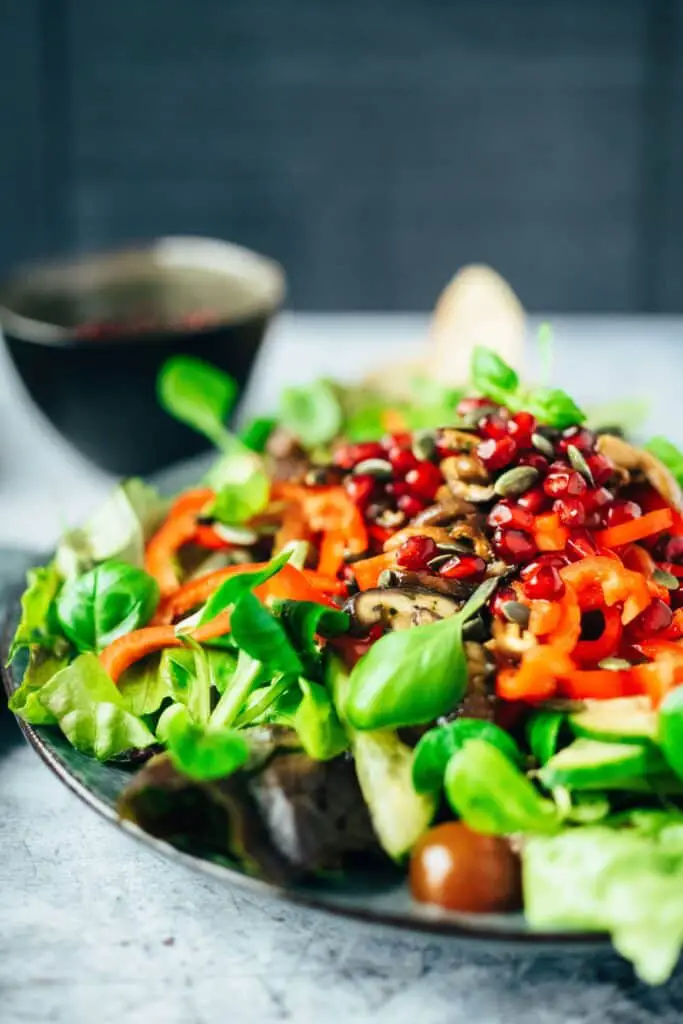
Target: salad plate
(411,654)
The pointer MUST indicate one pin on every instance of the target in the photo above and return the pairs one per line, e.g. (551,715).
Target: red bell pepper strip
(128,649)
(663,672)
(332,551)
(536,677)
(592,684)
(619,585)
(368,570)
(626,533)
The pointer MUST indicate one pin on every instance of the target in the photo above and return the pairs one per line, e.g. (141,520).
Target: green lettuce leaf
(242,487)
(39,623)
(626,881)
(25,701)
(312,412)
(91,712)
(118,530)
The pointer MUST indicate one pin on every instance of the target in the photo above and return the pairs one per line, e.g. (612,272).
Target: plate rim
(444,925)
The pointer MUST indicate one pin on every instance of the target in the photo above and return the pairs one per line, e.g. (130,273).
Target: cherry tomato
(461,870)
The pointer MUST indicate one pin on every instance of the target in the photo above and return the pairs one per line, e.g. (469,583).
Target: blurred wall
(371,145)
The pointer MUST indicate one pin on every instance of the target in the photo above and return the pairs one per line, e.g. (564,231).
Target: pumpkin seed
(439,560)
(475,416)
(457,547)
(516,481)
(387,578)
(579,463)
(515,611)
(379,468)
(424,445)
(614,664)
(542,445)
(665,579)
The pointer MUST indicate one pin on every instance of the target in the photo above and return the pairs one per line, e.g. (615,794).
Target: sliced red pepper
(332,551)
(128,649)
(626,533)
(663,672)
(536,677)
(161,551)
(619,585)
(549,533)
(606,645)
(368,570)
(593,684)
(557,622)
(637,558)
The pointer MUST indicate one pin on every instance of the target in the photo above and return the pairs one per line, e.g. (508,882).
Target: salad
(442,633)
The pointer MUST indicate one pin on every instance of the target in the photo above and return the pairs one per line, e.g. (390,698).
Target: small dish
(89,335)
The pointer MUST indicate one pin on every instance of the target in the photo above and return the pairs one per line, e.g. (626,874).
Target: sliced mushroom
(396,608)
(637,461)
(478,494)
(467,468)
(510,640)
(444,512)
(468,531)
(457,589)
(457,440)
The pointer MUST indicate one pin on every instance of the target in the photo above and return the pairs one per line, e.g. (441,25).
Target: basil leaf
(39,623)
(435,749)
(90,711)
(492,376)
(242,486)
(25,701)
(669,454)
(111,600)
(203,752)
(553,407)
(199,395)
(493,796)
(232,589)
(543,733)
(313,413)
(256,433)
(412,676)
(260,635)
(119,530)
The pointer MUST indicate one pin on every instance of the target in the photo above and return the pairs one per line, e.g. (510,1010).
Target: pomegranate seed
(415,552)
(535,460)
(462,567)
(677,597)
(542,581)
(521,427)
(657,616)
(579,437)
(562,483)
(570,511)
(534,500)
(621,511)
(580,545)
(425,480)
(361,488)
(410,506)
(494,427)
(513,545)
(511,516)
(497,453)
(402,460)
(601,468)
(348,455)
(397,488)
(674,550)
(501,597)
(597,498)
(470,405)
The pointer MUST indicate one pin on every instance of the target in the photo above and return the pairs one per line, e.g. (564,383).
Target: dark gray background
(371,145)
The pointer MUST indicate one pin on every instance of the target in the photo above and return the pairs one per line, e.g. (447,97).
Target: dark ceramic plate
(365,899)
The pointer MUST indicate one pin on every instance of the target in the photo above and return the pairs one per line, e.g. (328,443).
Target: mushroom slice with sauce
(638,461)
(396,608)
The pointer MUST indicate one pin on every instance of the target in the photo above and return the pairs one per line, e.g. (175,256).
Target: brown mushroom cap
(396,608)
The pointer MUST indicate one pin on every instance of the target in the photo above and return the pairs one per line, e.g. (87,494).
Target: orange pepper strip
(128,649)
(637,558)
(332,550)
(663,673)
(618,584)
(549,534)
(592,684)
(536,677)
(328,508)
(368,570)
(544,616)
(560,623)
(192,501)
(626,533)
(162,548)
(288,583)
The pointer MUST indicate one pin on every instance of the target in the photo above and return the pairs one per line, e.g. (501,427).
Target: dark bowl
(89,335)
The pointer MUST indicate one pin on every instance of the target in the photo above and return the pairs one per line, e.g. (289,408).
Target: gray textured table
(95,928)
